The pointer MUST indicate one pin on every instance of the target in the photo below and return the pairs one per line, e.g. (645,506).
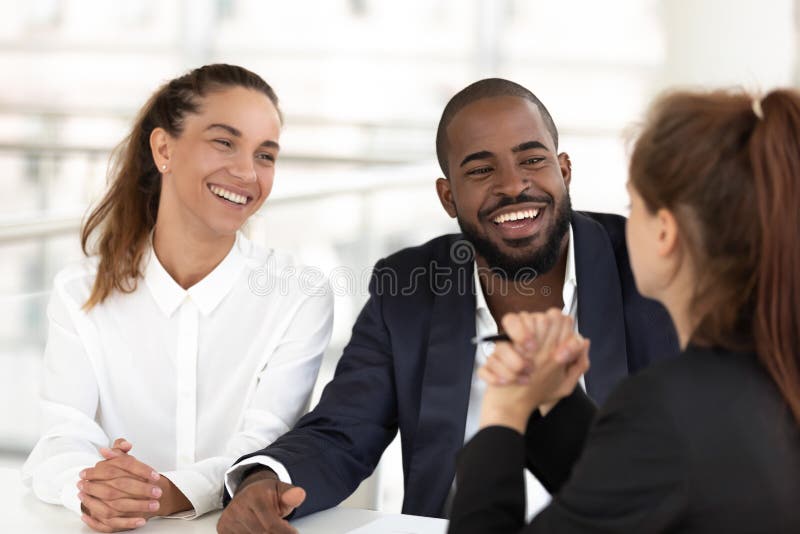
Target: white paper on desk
(403,524)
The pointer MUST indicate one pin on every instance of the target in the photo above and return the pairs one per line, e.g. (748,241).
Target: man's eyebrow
(483,154)
(528,145)
(236,133)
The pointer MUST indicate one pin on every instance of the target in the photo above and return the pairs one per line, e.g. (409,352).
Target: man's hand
(259,506)
(541,365)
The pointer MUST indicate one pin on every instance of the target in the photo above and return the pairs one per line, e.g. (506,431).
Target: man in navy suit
(410,363)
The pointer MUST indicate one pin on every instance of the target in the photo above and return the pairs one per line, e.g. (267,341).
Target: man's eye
(479,171)
(533,161)
(265,156)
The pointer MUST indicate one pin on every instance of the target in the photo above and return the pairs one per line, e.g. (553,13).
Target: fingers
(105,508)
(489,377)
(505,365)
(125,462)
(581,363)
(291,499)
(515,325)
(109,454)
(260,507)
(102,512)
(105,471)
(119,488)
(114,525)
(122,444)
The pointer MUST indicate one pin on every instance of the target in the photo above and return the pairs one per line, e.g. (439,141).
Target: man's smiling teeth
(516,215)
(228,195)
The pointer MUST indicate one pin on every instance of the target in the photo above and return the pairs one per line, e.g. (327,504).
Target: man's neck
(507,295)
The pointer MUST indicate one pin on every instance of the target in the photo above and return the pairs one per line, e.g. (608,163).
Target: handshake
(539,365)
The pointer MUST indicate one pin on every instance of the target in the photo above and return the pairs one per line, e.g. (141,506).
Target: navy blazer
(409,363)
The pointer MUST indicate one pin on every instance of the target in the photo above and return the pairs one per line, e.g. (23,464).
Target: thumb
(122,444)
(109,454)
(581,364)
(291,499)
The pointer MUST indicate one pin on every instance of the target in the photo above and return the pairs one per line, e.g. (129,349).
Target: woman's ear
(160,147)
(667,237)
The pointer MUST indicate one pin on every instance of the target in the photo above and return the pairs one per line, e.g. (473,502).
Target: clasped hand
(541,365)
(120,492)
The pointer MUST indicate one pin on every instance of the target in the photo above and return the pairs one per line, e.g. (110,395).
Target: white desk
(21,511)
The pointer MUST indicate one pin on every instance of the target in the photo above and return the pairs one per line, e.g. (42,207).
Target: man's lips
(518,208)
(518,221)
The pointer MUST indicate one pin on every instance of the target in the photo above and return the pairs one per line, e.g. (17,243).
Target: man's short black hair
(487,88)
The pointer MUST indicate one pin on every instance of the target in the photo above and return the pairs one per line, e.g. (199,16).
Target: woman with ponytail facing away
(164,362)
(706,442)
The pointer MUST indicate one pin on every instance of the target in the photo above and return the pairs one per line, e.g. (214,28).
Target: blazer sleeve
(631,476)
(554,443)
(339,443)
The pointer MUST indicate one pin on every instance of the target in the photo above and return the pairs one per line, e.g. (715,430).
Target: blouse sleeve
(69,399)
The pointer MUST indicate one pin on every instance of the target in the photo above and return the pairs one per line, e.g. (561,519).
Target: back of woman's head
(119,227)
(727,166)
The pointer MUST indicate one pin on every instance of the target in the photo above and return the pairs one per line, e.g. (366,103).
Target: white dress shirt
(485,325)
(536,496)
(192,378)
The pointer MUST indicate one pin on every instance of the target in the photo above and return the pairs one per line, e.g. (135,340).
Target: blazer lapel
(600,309)
(445,391)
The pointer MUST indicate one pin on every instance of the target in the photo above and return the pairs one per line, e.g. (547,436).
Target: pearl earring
(164,167)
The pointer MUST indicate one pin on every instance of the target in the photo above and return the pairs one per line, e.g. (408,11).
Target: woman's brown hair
(727,165)
(127,213)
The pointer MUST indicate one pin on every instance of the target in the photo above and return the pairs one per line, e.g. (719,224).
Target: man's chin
(522,247)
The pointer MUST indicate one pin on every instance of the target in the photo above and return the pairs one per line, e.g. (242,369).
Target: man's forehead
(509,120)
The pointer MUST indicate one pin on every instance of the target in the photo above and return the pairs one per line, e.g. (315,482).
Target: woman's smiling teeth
(228,195)
(516,215)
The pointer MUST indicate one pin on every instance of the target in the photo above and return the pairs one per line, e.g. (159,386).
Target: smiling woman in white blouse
(177,345)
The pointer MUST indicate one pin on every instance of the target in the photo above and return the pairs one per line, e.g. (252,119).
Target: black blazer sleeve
(554,443)
(338,444)
(631,476)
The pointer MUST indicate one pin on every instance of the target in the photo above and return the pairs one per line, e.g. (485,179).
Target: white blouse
(192,378)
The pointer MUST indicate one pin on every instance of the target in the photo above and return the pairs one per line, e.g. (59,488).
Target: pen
(493,338)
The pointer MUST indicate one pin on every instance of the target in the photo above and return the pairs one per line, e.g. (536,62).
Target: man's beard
(534,263)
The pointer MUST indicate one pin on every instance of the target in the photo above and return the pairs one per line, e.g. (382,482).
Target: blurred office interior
(362,84)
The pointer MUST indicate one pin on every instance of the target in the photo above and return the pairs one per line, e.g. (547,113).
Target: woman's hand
(121,493)
(541,365)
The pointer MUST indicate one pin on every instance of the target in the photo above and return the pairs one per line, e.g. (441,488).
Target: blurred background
(362,84)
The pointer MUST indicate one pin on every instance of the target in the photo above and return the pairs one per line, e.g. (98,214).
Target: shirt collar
(570,278)
(480,298)
(206,294)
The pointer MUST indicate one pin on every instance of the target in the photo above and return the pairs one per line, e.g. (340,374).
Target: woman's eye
(223,142)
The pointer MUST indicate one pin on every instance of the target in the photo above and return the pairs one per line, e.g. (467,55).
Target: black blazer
(700,443)
(409,363)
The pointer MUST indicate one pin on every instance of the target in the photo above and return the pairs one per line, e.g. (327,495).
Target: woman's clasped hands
(121,492)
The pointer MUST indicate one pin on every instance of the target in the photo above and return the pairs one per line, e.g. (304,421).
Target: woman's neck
(187,257)
(677,300)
